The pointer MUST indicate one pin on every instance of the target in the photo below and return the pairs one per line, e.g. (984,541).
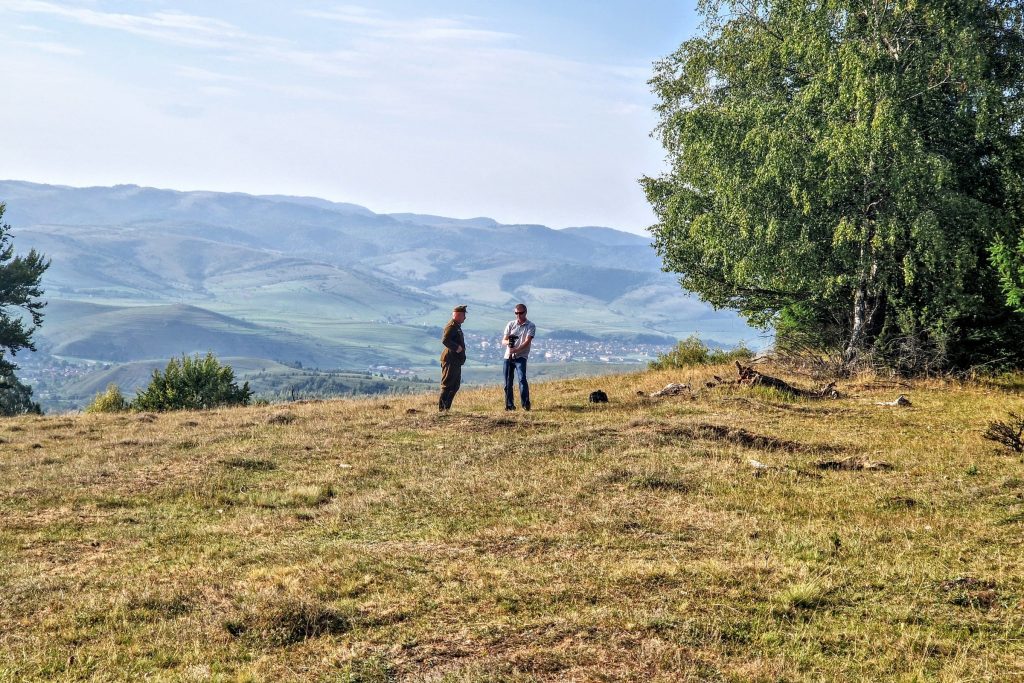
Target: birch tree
(849,170)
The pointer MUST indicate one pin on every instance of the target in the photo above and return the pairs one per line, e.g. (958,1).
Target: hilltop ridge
(703,536)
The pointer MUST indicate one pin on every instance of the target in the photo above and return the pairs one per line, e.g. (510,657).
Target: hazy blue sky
(522,110)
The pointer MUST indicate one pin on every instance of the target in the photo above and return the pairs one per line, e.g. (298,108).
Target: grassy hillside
(133,333)
(378,540)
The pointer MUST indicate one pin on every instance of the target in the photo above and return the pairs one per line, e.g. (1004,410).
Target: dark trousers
(451,380)
(511,367)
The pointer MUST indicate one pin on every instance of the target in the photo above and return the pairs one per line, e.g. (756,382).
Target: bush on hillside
(692,351)
(192,383)
(109,401)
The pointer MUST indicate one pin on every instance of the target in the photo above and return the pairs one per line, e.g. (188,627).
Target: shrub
(1009,434)
(192,383)
(692,351)
(109,401)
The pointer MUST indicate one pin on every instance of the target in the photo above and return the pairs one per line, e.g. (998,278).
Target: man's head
(459,314)
(520,311)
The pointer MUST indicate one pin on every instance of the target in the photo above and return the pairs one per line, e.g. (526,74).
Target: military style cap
(459,309)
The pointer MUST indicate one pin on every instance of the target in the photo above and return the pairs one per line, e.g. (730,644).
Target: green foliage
(1009,260)
(851,170)
(692,351)
(192,383)
(109,401)
(15,397)
(19,288)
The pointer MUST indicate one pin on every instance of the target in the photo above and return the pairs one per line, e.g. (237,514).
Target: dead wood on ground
(751,377)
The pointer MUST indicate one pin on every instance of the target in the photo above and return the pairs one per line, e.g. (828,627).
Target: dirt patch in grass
(741,437)
(899,503)
(51,426)
(251,464)
(281,620)
(491,423)
(153,605)
(649,480)
(968,591)
(781,406)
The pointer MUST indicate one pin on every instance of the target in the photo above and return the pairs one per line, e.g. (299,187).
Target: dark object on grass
(1009,434)
(598,397)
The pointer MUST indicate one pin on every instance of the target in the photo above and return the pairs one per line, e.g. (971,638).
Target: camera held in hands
(512,341)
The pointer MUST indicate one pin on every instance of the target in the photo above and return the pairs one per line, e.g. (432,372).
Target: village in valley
(579,349)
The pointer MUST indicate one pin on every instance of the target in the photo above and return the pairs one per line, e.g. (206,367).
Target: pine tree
(19,289)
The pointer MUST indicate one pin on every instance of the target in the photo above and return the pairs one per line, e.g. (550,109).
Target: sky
(526,111)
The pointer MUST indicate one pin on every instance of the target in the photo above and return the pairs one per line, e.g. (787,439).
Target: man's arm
(524,343)
(523,346)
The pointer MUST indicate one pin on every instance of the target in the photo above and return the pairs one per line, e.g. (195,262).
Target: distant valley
(140,274)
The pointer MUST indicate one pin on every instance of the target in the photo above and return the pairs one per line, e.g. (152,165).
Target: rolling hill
(133,333)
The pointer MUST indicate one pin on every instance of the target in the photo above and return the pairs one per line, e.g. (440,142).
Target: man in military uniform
(452,358)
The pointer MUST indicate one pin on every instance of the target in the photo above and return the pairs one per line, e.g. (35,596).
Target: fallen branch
(749,376)
(672,389)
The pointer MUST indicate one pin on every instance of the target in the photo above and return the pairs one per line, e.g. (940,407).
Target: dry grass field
(379,541)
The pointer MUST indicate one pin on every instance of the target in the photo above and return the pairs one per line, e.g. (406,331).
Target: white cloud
(207,76)
(171,27)
(428,29)
(51,48)
(32,28)
(350,14)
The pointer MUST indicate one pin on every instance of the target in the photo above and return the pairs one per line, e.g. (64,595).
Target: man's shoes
(510,407)
(526,407)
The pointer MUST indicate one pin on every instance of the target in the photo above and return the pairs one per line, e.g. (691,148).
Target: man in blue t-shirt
(518,336)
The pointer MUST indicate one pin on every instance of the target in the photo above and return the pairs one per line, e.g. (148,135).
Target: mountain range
(141,273)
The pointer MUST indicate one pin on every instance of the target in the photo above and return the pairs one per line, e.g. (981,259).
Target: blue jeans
(511,366)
